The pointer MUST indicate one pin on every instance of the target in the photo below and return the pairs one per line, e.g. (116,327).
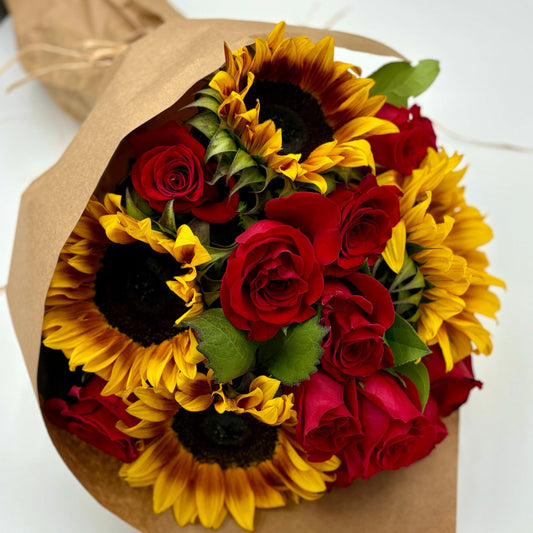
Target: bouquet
(274,289)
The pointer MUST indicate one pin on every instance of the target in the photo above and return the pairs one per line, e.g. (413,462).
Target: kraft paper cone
(156,73)
(417,499)
(74,46)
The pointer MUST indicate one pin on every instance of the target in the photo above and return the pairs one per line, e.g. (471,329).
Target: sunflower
(302,112)
(446,233)
(207,463)
(117,294)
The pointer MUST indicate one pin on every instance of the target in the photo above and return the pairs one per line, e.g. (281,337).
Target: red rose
(358,313)
(403,151)
(395,432)
(315,216)
(368,214)
(450,390)
(272,280)
(170,166)
(93,419)
(274,276)
(328,420)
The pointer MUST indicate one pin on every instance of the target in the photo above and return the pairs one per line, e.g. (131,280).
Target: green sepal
(210,289)
(245,221)
(418,374)
(293,353)
(241,161)
(413,248)
(271,175)
(210,297)
(167,221)
(207,123)
(365,268)
(349,176)
(404,342)
(201,229)
(400,80)
(249,176)
(409,278)
(136,206)
(223,164)
(227,349)
(221,143)
(218,253)
(212,93)
(205,102)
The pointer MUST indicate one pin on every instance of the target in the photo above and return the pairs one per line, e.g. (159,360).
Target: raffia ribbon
(92,53)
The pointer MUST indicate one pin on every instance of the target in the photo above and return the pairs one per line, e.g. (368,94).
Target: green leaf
(418,374)
(292,355)
(227,349)
(405,344)
(400,80)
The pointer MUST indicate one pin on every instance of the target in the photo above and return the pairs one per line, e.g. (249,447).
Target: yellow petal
(394,253)
(240,499)
(210,493)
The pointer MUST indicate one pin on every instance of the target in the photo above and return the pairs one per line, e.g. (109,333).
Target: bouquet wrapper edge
(156,72)
(417,499)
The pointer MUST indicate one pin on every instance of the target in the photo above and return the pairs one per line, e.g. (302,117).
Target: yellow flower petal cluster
(200,488)
(262,401)
(74,323)
(436,217)
(342,96)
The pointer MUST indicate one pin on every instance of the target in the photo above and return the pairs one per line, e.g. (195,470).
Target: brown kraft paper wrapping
(74,46)
(153,74)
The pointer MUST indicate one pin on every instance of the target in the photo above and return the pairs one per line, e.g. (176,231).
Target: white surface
(483,92)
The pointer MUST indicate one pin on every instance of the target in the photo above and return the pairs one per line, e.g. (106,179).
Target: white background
(484,92)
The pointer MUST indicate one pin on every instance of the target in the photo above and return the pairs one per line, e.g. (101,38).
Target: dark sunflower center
(228,439)
(295,111)
(131,292)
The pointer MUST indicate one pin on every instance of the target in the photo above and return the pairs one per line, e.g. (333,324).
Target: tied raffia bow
(93,53)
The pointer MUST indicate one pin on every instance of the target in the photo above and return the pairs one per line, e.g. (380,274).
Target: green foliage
(227,350)
(292,355)
(400,80)
(418,374)
(136,206)
(167,222)
(404,342)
